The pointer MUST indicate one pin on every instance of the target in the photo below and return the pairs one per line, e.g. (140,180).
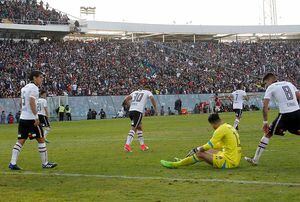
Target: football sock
(140,137)
(187,161)
(236,123)
(45,133)
(43,153)
(130,137)
(261,147)
(15,153)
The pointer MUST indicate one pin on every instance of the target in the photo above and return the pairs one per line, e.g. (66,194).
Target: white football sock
(130,137)
(261,147)
(15,153)
(43,153)
(45,133)
(236,123)
(140,137)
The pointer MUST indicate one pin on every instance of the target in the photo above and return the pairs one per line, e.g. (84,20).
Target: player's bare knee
(268,135)
(40,140)
(22,141)
(200,154)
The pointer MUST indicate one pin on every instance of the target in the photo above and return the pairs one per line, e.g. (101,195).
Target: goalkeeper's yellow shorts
(221,161)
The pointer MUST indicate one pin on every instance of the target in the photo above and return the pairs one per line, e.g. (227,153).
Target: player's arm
(46,108)
(34,109)
(265,115)
(230,97)
(126,100)
(46,111)
(154,104)
(298,96)
(213,143)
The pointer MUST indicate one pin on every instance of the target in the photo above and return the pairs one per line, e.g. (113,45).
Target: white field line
(155,178)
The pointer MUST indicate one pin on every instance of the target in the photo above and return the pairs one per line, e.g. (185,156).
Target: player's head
(147,87)
(268,79)
(214,120)
(240,86)
(36,76)
(43,94)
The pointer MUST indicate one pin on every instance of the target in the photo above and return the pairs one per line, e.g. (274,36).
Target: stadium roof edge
(190,29)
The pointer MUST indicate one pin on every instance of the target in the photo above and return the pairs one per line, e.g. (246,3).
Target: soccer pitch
(92,165)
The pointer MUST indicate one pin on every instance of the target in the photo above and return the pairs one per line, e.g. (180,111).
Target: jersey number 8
(288,92)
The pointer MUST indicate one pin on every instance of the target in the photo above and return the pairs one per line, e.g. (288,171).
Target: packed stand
(80,68)
(30,12)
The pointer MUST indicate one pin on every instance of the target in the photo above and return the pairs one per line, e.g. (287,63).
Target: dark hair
(240,86)
(35,73)
(214,118)
(147,87)
(268,76)
(42,92)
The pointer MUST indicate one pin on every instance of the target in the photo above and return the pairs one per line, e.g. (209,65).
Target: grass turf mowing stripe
(155,178)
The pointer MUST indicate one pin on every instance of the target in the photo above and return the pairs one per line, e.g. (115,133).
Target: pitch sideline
(154,178)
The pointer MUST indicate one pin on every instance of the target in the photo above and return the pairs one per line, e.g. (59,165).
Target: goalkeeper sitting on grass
(223,150)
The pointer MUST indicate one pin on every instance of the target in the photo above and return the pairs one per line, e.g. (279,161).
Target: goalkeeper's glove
(193,151)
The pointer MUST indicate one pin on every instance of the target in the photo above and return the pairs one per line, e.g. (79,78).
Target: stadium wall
(111,104)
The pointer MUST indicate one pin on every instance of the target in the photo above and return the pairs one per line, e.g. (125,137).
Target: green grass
(96,148)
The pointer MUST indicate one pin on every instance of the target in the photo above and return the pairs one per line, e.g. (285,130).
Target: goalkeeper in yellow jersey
(223,150)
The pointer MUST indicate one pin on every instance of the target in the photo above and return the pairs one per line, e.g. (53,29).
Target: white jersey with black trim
(238,99)
(139,100)
(284,94)
(41,104)
(28,91)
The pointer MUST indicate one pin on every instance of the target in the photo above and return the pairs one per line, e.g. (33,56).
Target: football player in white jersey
(138,101)
(237,104)
(287,97)
(29,125)
(42,108)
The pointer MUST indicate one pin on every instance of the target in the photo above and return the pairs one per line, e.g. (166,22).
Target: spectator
(10,118)
(68,113)
(170,111)
(152,111)
(17,116)
(120,114)
(218,103)
(74,89)
(196,109)
(94,114)
(89,114)
(147,112)
(3,117)
(115,67)
(61,112)
(30,12)
(162,111)
(178,105)
(102,114)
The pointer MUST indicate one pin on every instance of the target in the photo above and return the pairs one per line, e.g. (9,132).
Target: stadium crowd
(30,12)
(81,68)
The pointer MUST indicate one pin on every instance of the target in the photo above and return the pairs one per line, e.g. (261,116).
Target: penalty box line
(213,180)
